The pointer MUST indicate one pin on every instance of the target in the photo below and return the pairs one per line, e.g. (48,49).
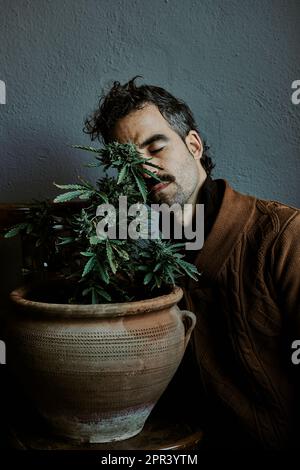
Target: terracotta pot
(95,372)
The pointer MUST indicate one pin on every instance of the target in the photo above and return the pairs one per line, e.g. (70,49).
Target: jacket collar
(234,215)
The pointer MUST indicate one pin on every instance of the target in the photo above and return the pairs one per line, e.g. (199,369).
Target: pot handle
(189,321)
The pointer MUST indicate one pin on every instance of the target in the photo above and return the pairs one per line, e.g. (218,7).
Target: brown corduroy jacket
(247,304)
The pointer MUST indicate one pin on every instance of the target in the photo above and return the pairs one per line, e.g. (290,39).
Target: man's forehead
(141,125)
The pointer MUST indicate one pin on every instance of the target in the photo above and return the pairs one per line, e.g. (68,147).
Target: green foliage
(39,229)
(105,269)
(17,229)
(82,191)
(127,161)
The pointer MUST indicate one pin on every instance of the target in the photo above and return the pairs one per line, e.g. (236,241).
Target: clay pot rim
(73,311)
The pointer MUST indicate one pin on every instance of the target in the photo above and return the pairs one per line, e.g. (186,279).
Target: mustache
(151,182)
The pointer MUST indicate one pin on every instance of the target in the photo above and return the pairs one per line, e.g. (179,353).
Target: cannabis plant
(101,268)
(38,231)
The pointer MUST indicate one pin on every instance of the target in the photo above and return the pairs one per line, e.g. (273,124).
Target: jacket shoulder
(279,214)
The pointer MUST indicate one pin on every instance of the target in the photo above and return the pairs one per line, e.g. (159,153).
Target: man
(247,299)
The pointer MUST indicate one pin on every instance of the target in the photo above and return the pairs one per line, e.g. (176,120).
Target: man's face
(181,172)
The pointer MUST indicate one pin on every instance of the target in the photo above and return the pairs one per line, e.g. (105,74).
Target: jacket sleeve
(286,269)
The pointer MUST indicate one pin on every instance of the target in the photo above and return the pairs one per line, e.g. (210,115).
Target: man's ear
(194,144)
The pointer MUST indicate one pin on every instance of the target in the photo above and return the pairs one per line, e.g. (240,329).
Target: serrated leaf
(189,266)
(153,175)
(70,186)
(157,267)
(95,240)
(89,266)
(69,196)
(148,278)
(101,195)
(103,273)
(122,253)
(87,148)
(103,293)
(65,240)
(86,291)
(86,195)
(122,174)
(15,230)
(190,270)
(87,253)
(110,257)
(147,162)
(141,185)
(170,274)
(177,245)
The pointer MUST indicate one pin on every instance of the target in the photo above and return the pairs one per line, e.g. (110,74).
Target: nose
(149,168)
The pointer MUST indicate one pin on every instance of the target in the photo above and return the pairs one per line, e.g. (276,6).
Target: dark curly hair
(122,99)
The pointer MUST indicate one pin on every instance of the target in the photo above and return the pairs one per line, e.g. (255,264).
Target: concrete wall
(232,61)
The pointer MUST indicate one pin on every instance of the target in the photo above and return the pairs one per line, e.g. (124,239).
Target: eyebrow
(154,138)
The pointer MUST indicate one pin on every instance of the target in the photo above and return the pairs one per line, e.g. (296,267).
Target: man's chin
(164,195)
(171,194)
(169,199)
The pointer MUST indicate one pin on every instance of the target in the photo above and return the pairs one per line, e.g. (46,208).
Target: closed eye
(156,150)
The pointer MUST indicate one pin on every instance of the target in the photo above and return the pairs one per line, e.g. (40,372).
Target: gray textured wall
(233,61)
